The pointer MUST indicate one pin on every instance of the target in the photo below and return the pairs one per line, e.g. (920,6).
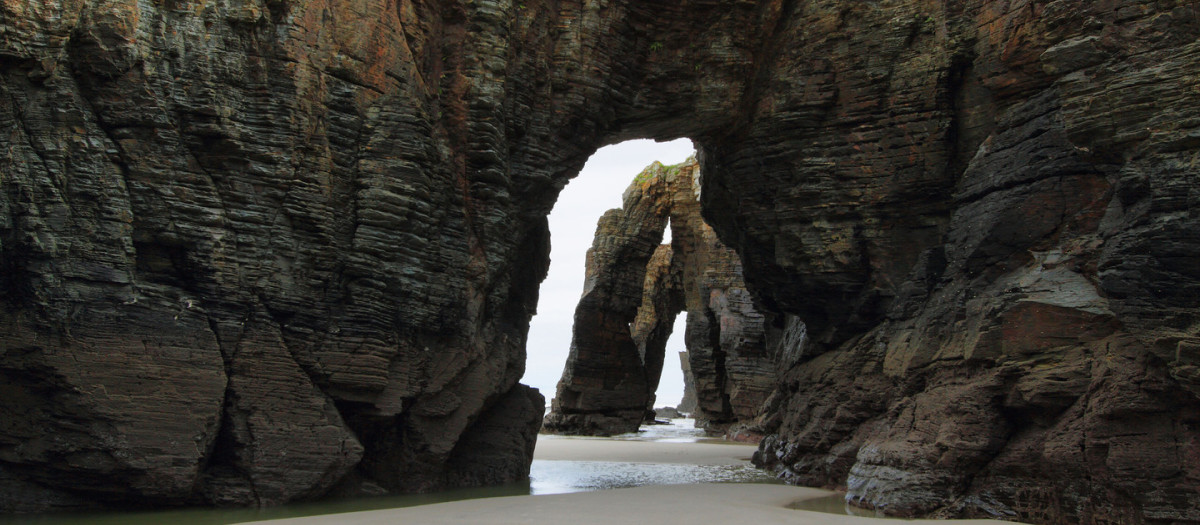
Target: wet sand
(760,504)
(668,504)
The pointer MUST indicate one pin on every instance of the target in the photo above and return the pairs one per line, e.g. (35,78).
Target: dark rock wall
(237,229)
(982,351)
(688,404)
(731,368)
(254,249)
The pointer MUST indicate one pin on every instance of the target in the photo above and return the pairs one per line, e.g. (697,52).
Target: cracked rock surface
(234,231)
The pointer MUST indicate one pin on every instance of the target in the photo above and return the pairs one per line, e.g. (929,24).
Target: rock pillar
(730,370)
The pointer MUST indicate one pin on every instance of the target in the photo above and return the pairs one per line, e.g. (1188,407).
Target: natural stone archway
(662,301)
(232,229)
(605,387)
(632,295)
(729,362)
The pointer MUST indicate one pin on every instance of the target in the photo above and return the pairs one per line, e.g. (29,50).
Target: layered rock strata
(232,230)
(631,297)
(605,387)
(688,404)
(256,252)
(984,352)
(662,301)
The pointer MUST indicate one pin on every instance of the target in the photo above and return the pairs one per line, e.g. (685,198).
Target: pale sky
(598,188)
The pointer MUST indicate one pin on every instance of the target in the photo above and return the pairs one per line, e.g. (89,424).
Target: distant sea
(558,477)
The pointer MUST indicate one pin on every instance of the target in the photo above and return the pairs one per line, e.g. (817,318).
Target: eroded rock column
(731,371)
(604,387)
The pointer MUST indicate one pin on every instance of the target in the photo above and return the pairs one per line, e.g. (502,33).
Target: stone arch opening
(674,384)
(599,186)
(636,287)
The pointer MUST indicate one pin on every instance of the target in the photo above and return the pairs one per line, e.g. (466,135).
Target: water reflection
(675,431)
(559,477)
(832,504)
(563,476)
(546,477)
(836,504)
(210,516)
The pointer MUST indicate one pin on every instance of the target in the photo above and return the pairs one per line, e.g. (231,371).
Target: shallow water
(559,477)
(210,516)
(546,477)
(836,504)
(677,431)
(831,504)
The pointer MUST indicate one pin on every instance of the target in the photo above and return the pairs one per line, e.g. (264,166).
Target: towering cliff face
(633,293)
(238,231)
(257,251)
(1019,338)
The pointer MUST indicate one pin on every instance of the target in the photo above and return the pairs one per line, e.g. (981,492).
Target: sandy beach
(668,504)
(558,448)
(761,504)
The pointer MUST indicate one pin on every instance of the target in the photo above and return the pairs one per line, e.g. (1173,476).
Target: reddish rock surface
(232,229)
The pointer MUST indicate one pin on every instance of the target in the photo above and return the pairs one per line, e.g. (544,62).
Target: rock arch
(634,290)
(233,230)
